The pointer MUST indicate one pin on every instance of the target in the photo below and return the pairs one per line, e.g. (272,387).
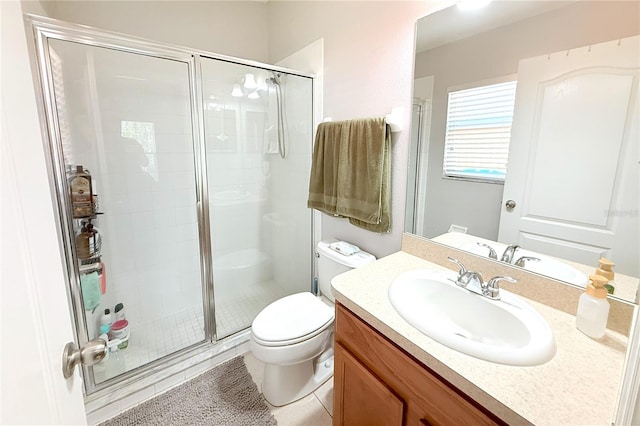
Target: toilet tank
(332,263)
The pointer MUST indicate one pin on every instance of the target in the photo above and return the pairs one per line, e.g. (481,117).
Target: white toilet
(293,336)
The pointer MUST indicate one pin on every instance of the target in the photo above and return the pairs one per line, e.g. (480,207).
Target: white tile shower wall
(146,190)
(236,223)
(289,219)
(236,181)
(156,240)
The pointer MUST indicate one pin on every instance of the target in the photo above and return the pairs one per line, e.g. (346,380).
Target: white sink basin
(553,268)
(546,266)
(508,331)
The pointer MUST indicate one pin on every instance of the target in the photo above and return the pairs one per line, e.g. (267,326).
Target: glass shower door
(125,120)
(258,138)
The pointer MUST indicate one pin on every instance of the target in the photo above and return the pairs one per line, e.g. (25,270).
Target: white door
(573,161)
(35,316)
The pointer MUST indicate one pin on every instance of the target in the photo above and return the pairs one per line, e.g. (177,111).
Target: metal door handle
(90,353)
(510,204)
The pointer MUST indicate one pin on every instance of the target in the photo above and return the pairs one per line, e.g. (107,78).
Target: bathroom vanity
(388,372)
(376,382)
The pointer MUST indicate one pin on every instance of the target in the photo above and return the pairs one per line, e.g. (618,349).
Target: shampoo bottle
(106,319)
(81,193)
(605,269)
(86,246)
(593,308)
(119,312)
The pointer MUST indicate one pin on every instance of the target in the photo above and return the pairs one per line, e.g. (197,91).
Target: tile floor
(313,410)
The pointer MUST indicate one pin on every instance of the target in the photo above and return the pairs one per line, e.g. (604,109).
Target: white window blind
(478,132)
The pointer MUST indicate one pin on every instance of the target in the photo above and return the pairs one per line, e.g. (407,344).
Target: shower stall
(180,178)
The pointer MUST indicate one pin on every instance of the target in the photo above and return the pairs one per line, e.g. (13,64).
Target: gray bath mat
(225,395)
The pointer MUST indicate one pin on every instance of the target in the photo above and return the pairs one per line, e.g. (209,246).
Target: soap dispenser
(593,308)
(605,269)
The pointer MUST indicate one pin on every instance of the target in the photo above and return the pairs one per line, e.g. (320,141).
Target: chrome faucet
(492,252)
(492,288)
(509,252)
(465,277)
(473,281)
(521,262)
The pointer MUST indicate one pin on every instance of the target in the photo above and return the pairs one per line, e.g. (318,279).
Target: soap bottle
(605,269)
(82,242)
(119,311)
(81,193)
(593,308)
(106,319)
(86,241)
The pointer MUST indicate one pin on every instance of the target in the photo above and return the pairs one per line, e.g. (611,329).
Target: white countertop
(579,386)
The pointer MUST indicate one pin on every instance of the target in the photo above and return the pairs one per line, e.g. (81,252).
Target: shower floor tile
(235,310)
(152,340)
(159,337)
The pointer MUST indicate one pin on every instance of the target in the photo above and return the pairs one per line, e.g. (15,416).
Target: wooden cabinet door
(360,397)
(426,398)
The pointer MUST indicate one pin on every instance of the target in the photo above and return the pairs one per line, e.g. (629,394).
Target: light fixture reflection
(254,95)
(237,91)
(250,81)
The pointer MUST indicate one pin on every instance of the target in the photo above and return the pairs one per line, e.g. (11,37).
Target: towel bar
(394,120)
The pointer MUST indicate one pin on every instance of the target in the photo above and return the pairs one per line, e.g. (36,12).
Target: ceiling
(453,24)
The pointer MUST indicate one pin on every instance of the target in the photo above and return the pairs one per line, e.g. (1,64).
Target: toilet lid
(291,317)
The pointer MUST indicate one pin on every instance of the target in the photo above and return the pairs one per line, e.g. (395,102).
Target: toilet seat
(292,319)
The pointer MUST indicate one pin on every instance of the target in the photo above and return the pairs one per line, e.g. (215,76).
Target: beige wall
(368,57)
(235,28)
(493,54)
(36,7)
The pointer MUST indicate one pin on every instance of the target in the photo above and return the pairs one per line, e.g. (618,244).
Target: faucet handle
(509,252)
(462,270)
(492,289)
(521,262)
(492,252)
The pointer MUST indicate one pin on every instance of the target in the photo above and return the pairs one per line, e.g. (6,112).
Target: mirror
(571,191)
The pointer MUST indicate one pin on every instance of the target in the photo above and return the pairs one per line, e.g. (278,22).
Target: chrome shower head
(275,80)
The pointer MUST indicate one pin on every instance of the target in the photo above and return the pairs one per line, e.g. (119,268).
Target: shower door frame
(44,29)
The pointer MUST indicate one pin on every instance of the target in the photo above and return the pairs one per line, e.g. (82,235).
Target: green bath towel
(350,172)
(90,286)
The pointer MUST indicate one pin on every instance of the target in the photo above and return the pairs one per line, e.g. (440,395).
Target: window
(479,131)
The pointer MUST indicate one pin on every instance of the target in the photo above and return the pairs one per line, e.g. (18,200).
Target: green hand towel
(350,172)
(383,223)
(323,183)
(90,286)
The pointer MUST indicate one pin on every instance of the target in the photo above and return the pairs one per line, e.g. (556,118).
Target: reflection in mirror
(568,139)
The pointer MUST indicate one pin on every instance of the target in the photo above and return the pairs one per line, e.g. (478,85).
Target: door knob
(510,204)
(90,353)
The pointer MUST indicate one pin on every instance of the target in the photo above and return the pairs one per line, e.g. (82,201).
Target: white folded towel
(344,248)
